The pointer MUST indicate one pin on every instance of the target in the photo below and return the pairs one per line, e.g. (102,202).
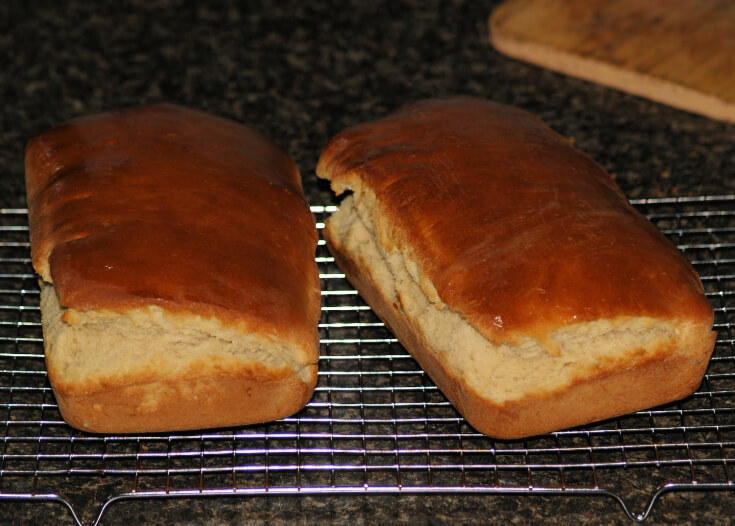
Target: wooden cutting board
(679,52)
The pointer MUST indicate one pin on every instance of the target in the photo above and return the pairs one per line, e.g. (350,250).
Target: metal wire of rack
(376,423)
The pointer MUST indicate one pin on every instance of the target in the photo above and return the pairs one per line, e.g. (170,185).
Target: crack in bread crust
(151,370)
(513,268)
(512,369)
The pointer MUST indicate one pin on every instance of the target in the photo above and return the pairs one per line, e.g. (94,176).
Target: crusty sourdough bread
(179,287)
(512,268)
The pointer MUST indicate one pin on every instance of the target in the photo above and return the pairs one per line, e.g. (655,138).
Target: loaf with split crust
(512,268)
(179,288)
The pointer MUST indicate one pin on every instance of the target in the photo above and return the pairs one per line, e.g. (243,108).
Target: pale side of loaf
(512,268)
(178,283)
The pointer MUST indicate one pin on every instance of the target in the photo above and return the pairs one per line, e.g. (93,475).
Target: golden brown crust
(185,403)
(168,206)
(521,235)
(491,203)
(606,395)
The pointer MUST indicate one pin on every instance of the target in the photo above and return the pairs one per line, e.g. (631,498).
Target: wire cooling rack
(376,424)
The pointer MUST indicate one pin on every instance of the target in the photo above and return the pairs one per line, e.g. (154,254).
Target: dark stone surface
(300,72)
(678,508)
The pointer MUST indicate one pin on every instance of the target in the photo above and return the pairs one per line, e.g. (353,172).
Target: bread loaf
(176,255)
(512,268)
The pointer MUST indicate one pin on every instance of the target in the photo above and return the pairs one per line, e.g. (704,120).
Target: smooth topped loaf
(512,267)
(179,286)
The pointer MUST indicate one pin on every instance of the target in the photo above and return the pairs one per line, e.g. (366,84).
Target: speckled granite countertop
(300,72)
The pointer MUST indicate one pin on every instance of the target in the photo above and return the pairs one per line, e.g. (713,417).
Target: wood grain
(679,52)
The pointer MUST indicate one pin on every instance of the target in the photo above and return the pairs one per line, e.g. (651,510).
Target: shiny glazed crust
(169,206)
(491,203)
(503,250)
(179,287)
